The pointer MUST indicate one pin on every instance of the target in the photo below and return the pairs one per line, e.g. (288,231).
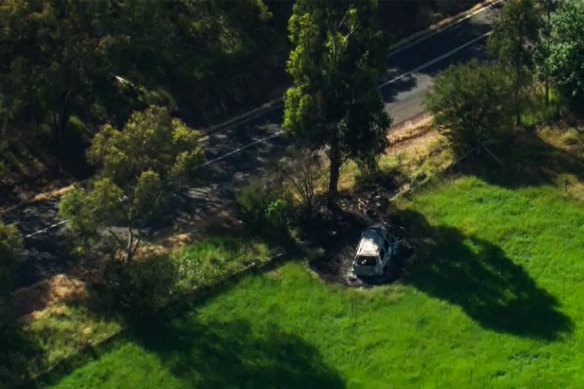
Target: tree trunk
(547,91)
(548,39)
(516,97)
(335,166)
(61,125)
(517,112)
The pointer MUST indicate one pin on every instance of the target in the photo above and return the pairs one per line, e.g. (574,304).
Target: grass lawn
(492,299)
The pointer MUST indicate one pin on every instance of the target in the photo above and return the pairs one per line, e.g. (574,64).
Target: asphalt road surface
(242,150)
(245,149)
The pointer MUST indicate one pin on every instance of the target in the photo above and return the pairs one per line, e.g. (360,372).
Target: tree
(56,62)
(66,61)
(514,37)
(567,49)
(469,104)
(337,59)
(139,169)
(11,247)
(544,44)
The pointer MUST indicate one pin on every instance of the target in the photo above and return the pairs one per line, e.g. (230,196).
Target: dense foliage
(72,66)
(337,59)
(470,106)
(139,169)
(567,50)
(515,34)
(11,247)
(265,211)
(70,62)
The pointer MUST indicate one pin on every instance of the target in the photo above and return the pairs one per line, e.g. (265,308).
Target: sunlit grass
(207,262)
(62,330)
(491,299)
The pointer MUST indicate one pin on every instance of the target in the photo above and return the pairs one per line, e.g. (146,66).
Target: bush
(264,212)
(567,51)
(140,287)
(11,247)
(470,104)
(300,169)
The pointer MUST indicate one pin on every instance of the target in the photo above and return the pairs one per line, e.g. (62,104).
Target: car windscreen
(366,261)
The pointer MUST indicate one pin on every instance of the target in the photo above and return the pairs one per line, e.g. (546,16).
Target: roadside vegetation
(98,63)
(78,320)
(488,257)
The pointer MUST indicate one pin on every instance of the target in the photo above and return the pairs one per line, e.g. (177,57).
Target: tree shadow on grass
(17,351)
(527,161)
(232,355)
(477,276)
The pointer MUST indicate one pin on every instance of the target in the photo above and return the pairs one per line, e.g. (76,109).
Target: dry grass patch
(564,137)
(33,301)
(52,194)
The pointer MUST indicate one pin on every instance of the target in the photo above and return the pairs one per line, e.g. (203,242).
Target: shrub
(11,247)
(140,287)
(567,51)
(300,169)
(264,212)
(470,105)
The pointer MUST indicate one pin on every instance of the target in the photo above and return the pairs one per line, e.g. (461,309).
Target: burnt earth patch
(337,232)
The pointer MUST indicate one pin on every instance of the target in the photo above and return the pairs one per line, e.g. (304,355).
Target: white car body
(373,253)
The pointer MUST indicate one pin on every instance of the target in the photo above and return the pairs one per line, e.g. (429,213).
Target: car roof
(371,241)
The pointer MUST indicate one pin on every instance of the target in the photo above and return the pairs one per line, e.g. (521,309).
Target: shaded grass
(16,351)
(54,337)
(491,299)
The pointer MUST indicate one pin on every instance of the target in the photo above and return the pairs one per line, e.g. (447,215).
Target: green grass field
(491,299)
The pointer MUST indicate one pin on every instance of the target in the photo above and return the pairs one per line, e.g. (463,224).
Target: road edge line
(441,26)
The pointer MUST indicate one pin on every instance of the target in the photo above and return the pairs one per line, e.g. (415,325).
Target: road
(456,44)
(410,73)
(245,149)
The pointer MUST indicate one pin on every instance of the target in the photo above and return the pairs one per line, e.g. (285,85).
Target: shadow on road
(477,276)
(390,91)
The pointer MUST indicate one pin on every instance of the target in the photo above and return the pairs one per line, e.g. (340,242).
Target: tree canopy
(337,59)
(96,62)
(11,247)
(567,49)
(470,104)
(139,169)
(515,34)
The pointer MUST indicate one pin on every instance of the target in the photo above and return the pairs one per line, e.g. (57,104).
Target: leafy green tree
(567,49)
(469,104)
(513,41)
(542,51)
(11,247)
(56,62)
(139,169)
(66,61)
(337,59)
